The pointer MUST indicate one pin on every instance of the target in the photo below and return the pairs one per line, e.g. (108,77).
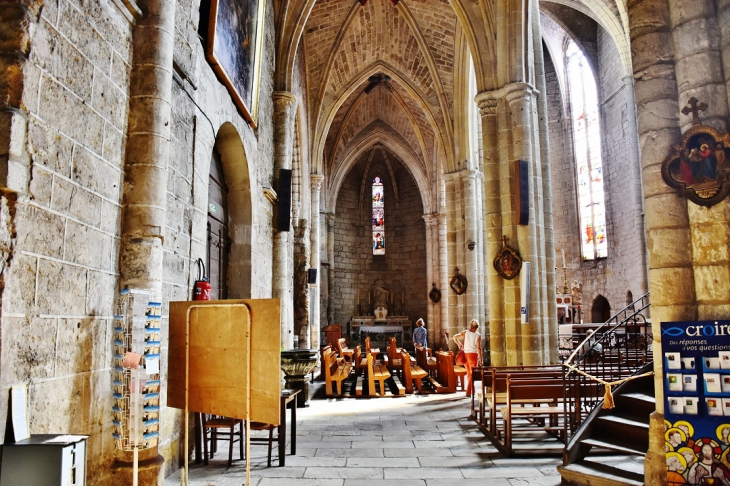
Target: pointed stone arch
(240,217)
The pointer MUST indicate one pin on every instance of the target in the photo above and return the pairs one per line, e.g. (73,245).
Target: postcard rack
(136,372)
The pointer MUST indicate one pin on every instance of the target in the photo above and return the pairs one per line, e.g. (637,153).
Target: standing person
(471,341)
(419,334)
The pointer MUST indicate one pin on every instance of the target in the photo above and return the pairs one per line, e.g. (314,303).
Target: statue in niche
(577,292)
(380,300)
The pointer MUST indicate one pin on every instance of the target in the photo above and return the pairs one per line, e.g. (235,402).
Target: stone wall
(62,225)
(403,268)
(623,270)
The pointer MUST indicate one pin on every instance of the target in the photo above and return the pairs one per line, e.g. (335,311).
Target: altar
(380,331)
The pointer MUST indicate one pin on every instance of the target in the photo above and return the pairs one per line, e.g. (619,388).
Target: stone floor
(418,440)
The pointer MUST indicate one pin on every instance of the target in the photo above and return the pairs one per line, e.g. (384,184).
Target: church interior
(540,166)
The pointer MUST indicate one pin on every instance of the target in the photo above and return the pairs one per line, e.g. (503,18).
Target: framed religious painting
(699,167)
(458,283)
(235,37)
(507,263)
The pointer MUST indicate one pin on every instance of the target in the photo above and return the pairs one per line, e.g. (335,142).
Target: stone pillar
(669,246)
(469,180)
(331,274)
(452,221)
(695,34)
(315,258)
(431,273)
(723,18)
(443,262)
(548,247)
(487,103)
(145,171)
(284,111)
(519,97)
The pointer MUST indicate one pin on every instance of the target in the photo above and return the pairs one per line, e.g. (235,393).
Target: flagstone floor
(417,440)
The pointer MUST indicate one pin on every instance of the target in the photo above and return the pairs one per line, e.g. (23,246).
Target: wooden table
(287,396)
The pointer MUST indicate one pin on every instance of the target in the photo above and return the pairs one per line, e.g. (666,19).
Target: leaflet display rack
(696,358)
(136,372)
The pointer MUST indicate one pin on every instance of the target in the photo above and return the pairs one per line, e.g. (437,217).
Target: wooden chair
(214,424)
(460,372)
(344,351)
(263,440)
(412,374)
(395,362)
(359,361)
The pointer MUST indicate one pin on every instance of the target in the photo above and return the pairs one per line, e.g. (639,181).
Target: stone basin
(296,365)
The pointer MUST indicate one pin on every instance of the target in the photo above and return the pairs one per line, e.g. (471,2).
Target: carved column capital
(331,219)
(487,102)
(283,100)
(316,181)
(517,91)
(430,219)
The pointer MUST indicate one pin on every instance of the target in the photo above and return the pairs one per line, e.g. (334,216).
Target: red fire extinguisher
(201,289)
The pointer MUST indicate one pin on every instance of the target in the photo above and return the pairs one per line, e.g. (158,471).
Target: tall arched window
(587,138)
(378,217)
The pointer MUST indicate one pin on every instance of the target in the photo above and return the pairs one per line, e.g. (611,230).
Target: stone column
(452,222)
(695,34)
(315,258)
(469,180)
(443,262)
(669,246)
(723,18)
(519,97)
(331,274)
(145,171)
(487,103)
(284,111)
(431,273)
(548,247)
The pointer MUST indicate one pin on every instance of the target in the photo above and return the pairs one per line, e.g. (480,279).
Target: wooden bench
(444,379)
(426,362)
(344,351)
(376,372)
(393,361)
(374,351)
(336,370)
(494,388)
(541,401)
(412,374)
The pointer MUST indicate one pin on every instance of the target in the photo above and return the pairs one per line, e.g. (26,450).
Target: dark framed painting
(699,167)
(235,37)
(458,283)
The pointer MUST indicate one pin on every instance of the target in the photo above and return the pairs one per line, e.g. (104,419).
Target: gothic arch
(395,146)
(240,218)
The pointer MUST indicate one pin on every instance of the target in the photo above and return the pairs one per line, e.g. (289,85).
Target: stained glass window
(587,137)
(378,217)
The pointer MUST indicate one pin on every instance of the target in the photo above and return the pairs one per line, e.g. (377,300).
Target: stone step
(625,449)
(587,474)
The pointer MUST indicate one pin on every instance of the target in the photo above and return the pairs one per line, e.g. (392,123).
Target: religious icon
(458,283)
(434,295)
(507,263)
(699,167)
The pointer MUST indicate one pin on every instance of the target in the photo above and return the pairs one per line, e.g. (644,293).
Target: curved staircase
(609,447)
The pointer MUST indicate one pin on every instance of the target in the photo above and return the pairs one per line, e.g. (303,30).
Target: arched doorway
(217,238)
(601,310)
(235,178)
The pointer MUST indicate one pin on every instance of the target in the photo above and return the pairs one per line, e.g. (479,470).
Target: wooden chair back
(357,359)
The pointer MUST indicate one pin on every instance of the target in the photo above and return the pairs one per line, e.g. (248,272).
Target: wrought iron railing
(602,354)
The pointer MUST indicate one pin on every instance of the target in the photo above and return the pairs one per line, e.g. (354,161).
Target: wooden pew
(444,380)
(538,400)
(394,361)
(376,372)
(344,351)
(412,374)
(494,388)
(374,351)
(425,362)
(336,370)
